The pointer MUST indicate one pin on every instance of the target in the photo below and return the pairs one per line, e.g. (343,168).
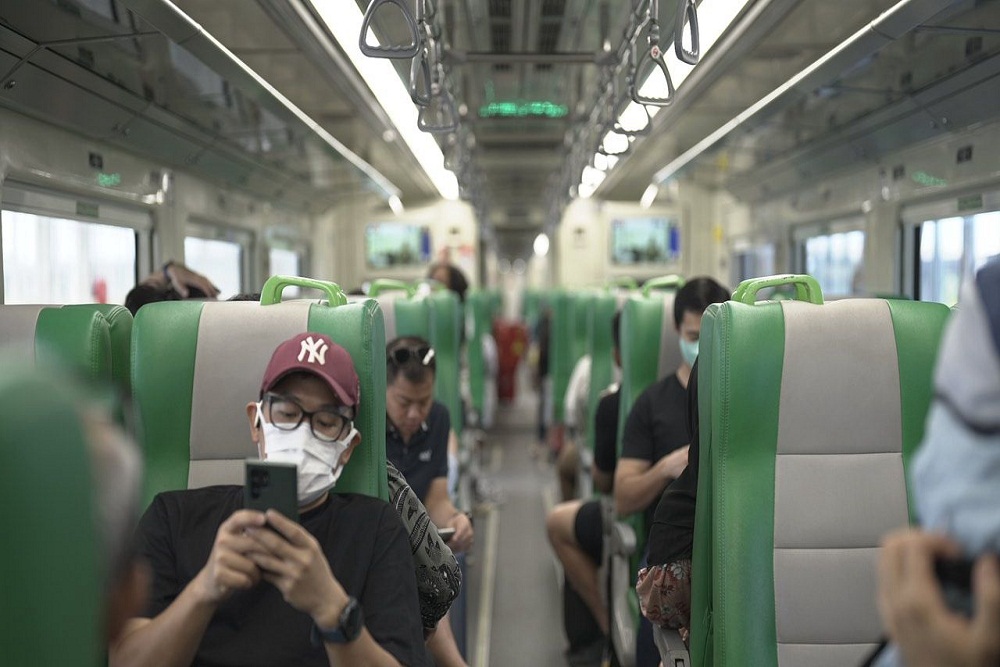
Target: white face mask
(317,462)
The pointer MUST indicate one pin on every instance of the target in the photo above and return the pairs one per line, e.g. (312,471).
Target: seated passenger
(575,527)
(418,429)
(656,437)
(955,480)
(175,281)
(233,586)
(451,277)
(664,587)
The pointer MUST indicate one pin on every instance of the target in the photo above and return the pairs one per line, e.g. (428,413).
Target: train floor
(514,608)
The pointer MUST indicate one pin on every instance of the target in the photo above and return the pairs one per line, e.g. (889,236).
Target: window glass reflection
(220,261)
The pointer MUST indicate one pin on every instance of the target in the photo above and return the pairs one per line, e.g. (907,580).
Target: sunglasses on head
(402,355)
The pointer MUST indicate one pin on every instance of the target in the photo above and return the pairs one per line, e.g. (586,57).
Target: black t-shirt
(671,535)
(425,457)
(657,425)
(364,542)
(606,432)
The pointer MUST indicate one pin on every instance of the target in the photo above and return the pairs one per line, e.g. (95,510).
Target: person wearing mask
(657,435)
(233,586)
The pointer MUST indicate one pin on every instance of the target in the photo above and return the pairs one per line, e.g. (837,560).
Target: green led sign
(523,110)
(923,178)
(109,180)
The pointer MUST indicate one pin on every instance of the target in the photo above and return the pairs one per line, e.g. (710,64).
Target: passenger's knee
(559,522)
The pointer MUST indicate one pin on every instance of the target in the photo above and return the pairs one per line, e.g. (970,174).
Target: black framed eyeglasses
(327,424)
(403,355)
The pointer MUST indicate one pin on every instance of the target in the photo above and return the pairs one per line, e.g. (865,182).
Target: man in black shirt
(416,442)
(239,587)
(575,527)
(656,437)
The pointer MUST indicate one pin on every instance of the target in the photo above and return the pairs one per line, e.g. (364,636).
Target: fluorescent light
(649,196)
(542,245)
(343,20)
(592,176)
(396,204)
(634,118)
(614,143)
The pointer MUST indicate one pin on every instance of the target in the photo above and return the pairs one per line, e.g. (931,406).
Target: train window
(753,262)
(222,253)
(952,248)
(58,260)
(285,262)
(833,254)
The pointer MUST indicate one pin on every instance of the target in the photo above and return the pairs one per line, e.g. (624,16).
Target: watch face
(351,620)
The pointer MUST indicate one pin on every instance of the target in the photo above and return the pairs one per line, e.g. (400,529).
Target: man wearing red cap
(337,588)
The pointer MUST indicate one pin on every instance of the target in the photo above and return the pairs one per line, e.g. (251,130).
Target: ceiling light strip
(344,21)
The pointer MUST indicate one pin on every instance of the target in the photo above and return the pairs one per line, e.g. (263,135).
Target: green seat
(649,352)
(809,414)
(446,330)
(91,338)
(197,364)
(51,563)
(481,356)
(600,342)
(570,320)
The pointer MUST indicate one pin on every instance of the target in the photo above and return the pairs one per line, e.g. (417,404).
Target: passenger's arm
(638,484)
(172,637)
(603,481)
(913,609)
(444,515)
(297,567)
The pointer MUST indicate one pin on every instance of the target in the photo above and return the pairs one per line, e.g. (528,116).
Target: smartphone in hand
(955,577)
(446,534)
(271,485)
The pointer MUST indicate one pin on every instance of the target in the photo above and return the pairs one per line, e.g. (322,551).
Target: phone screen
(446,534)
(271,486)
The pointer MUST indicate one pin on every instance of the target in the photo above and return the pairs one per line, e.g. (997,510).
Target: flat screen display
(645,241)
(392,244)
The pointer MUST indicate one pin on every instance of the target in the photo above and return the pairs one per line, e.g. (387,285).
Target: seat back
(51,564)
(808,415)
(601,350)
(93,339)
(479,326)
(195,366)
(446,329)
(570,342)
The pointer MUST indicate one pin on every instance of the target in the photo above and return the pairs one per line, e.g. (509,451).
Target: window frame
(31,199)
(208,230)
(849,221)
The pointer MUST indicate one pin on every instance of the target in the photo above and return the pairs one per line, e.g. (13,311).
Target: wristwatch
(349,628)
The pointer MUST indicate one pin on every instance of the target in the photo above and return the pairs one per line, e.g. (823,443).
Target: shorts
(588,529)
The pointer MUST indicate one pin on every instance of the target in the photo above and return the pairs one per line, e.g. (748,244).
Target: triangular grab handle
(448,118)
(687,12)
(651,57)
(392,50)
(421,95)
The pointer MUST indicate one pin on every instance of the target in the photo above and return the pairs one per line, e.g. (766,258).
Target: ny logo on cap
(316,349)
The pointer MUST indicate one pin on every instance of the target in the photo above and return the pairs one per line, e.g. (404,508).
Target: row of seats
(809,415)
(192,366)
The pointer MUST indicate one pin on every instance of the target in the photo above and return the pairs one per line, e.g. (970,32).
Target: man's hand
(228,567)
(181,278)
(298,568)
(913,609)
(462,539)
(672,465)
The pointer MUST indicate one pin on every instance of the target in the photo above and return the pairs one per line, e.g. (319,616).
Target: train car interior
(678,319)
